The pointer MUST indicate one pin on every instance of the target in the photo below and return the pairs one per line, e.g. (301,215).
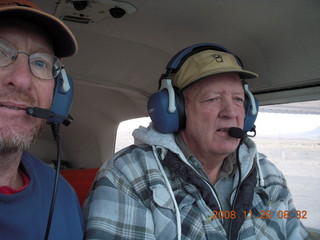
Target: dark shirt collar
(228,166)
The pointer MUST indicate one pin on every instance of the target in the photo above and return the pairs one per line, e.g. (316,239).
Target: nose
(19,73)
(228,109)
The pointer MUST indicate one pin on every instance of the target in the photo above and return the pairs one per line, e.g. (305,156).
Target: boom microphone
(40,112)
(47,114)
(236,132)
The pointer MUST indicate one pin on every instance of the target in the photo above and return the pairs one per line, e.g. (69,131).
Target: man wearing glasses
(29,64)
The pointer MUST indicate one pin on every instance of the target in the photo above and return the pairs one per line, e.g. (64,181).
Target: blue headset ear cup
(62,98)
(163,120)
(250,118)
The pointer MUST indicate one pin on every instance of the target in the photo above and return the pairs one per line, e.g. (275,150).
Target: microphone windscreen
(39,112)
(236,132)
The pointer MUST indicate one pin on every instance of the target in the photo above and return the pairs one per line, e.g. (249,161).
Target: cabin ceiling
(278,39)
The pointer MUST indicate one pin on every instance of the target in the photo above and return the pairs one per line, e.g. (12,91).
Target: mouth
(223,130)
(12,107)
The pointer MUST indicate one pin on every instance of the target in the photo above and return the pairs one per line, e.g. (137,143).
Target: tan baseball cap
(206,63)
(64,42)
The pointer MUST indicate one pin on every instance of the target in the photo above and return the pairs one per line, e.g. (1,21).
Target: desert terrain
(299,160)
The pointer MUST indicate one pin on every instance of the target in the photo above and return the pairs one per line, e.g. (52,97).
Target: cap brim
(63,40)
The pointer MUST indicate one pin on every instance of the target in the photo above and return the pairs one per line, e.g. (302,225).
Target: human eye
(41,61)
(211,99)
(239,99)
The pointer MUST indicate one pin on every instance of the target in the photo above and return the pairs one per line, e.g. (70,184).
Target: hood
(248,154)
(152,137)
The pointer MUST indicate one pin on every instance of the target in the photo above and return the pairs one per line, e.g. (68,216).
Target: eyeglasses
(42,65)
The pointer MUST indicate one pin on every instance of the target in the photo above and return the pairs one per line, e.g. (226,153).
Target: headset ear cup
(62,97)
(163,120)
(250,118)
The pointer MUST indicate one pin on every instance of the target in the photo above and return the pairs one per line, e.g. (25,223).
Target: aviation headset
(61,102)
(166,107)
(62,98)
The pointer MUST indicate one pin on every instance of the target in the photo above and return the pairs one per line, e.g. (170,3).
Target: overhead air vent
(86,12)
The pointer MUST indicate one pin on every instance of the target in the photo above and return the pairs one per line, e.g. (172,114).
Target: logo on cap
(217,57)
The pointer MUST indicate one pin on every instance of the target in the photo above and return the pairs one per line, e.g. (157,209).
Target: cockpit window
(289,134)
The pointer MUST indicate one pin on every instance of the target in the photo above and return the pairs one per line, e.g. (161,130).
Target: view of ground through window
(290,137)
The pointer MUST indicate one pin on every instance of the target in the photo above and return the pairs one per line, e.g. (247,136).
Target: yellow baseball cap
(64,42)
(206,63)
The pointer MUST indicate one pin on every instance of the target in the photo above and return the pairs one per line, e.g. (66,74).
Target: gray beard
(15,141)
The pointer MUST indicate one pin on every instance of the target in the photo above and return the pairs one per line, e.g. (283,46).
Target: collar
(8,190)
(228,167)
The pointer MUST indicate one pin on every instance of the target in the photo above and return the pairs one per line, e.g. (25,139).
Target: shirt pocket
(163,213)
(161,196)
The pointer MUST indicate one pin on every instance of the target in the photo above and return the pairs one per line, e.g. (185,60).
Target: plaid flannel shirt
(130,199)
